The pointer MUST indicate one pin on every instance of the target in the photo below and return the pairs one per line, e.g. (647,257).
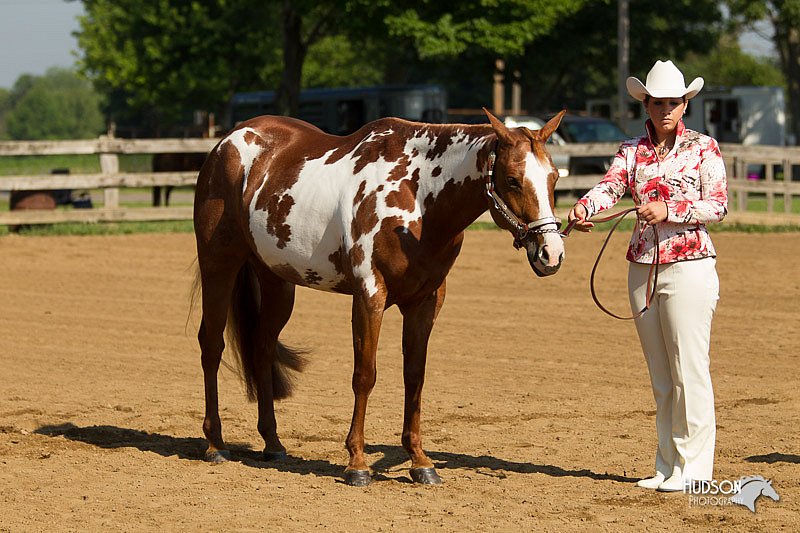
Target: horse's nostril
(561,257)
(544,255)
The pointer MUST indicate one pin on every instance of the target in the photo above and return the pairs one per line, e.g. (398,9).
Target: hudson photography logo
(744,491)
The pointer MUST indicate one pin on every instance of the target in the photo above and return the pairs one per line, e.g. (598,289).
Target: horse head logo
(751,488)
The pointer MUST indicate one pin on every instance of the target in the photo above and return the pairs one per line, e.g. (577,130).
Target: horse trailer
(740,114)
(343,110)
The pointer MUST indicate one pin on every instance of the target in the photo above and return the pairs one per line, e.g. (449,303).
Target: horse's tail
(242,332)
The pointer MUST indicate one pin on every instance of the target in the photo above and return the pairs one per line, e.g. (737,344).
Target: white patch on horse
(247,152)
(537,174)
(322,216)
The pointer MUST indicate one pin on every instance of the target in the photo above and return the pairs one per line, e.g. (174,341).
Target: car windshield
(592,131)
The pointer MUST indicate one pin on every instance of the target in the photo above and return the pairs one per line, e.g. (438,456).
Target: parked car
(576,129)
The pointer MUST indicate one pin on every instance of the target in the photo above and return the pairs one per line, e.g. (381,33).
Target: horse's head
(521,191)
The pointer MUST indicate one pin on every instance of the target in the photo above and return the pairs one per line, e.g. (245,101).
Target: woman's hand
(578,213)
(653,212)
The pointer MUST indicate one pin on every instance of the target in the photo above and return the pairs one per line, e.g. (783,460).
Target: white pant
(675,334)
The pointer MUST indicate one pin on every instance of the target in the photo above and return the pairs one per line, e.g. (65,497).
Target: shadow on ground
(774,457)
(193,448)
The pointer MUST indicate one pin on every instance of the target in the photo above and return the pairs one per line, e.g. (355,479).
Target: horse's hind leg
(217,280)
(418,320)
(277,302)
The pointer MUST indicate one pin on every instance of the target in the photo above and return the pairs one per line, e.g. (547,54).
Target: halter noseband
(521,229)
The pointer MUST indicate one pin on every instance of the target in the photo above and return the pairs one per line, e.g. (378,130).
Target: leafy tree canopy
(728,65)
(167,57)
(58,105)
(578,58)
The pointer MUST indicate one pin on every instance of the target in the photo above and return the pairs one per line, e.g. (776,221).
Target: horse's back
(309,202)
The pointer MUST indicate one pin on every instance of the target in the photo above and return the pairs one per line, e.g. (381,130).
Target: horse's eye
(513,182)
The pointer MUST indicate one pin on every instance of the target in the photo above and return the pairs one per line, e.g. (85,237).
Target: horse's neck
(452,195)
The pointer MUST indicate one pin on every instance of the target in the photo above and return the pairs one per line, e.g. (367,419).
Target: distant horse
(173,162)
(380,215)
(751,488)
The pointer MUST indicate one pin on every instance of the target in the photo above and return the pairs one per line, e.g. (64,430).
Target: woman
(676,177)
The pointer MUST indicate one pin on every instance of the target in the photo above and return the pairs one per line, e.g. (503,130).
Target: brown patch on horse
(366,216)
(312,277)
(336,259)
(441,142)
(389,147)
(405,197)
(288,273)
(356,255)
(343,287)
(278,210)
(400,170)
(360,193)
(258,168)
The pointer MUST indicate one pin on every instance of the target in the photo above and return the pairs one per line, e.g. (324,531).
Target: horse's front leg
(418,320)
(367,317)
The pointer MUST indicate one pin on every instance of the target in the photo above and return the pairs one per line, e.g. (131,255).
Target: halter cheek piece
(521,229)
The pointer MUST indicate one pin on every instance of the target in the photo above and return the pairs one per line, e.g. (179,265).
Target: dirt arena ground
(537,407)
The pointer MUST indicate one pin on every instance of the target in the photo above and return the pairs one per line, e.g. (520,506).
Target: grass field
(140,197)
(22,165)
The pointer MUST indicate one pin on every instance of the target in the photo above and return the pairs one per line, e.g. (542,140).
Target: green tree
(5,106)
(728,65)
(784,17)
(578,58)
(58,105)
(164,58)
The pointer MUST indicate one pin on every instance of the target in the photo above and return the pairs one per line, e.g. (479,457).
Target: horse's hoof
(425,476)
(217,456)
(357,478)
(274,456)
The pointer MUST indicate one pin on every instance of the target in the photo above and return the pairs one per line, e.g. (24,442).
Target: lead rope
(652,275)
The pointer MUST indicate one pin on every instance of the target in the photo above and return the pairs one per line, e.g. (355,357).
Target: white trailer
(741,114)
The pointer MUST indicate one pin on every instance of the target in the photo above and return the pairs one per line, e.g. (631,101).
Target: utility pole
(516,93)
(623,51)
(499,104)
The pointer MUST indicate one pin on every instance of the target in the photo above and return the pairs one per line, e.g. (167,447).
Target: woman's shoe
(673,484)
(651,482)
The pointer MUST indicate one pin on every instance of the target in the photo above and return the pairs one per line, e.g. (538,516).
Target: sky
(37,34)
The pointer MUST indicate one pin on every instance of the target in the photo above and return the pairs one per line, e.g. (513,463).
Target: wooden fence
(774,163)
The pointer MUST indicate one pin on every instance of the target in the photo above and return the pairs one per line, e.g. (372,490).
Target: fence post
(109,164)
(787,183)
(769,179)
(741,177)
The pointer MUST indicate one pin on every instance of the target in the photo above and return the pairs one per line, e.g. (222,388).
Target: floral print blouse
(690,179)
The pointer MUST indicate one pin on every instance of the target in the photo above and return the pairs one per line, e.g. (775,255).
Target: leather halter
(652,275)
(521,229)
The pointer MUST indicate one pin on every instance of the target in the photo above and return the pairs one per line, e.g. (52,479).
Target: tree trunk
(787,41)
(287,101)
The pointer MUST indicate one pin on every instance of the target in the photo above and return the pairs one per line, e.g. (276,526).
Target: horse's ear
(551,126)
(499,128)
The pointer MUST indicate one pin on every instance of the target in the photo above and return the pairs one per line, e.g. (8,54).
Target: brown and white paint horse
(380,215)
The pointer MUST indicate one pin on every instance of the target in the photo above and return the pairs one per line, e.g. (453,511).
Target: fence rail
(774,166)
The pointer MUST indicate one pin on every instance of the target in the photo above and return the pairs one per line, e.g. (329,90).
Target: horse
(751,488)
(378,215)
(173,162)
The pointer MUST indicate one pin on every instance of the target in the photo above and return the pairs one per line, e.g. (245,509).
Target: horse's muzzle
(540,260)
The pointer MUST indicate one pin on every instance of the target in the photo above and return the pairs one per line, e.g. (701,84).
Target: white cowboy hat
(663,81)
